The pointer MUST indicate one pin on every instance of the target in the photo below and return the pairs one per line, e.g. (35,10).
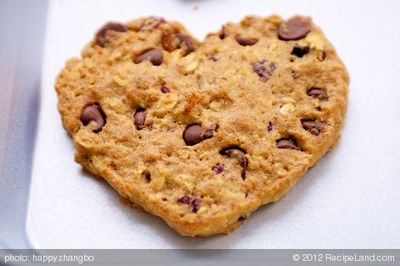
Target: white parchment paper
(350,199)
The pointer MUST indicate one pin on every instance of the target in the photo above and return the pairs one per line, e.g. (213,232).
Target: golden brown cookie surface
(202,134)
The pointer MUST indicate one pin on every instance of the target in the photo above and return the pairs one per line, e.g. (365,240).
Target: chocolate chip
(242,218)
(187,41)
(263,72)
(223,33)
(155,56)
(140,118)
(315,127)
(111,26)
(172,41)
(245,41)
(147,176)
(239,154)
(94,113)
(244,163)
(260,70)
(270,126)
(294,29)
(195,133)
(195,205)
(151,23)
(159,22)
(164,89)
(287,143)
(321,57)
(164,199)
(317,93)
(185,199)
(300,51)
(218,168)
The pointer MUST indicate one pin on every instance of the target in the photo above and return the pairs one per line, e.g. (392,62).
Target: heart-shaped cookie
(201,134)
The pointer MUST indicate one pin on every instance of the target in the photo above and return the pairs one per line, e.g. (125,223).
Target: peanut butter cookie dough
(201,134)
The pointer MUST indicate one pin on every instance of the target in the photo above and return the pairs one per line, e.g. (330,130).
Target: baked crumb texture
(201,134)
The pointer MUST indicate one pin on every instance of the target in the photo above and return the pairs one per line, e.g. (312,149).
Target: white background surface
(350,199)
